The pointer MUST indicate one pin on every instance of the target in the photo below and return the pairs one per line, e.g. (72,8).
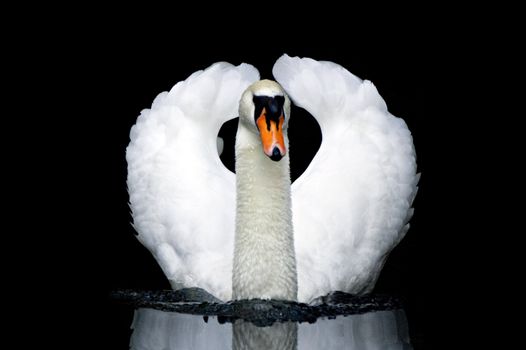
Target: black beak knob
(276,154)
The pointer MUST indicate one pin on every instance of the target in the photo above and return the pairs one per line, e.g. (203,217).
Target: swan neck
(264,257)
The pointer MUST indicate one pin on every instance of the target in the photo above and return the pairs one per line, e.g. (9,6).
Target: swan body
(343,215)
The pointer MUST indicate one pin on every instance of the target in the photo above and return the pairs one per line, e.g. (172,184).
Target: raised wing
(182,197)
(352,204)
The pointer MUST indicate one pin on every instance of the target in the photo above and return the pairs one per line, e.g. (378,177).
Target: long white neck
(264,258)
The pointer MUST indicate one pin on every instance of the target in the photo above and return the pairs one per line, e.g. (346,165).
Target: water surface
(193,319)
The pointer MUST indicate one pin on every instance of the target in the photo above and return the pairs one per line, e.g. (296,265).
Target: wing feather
(181,196)
(352,204)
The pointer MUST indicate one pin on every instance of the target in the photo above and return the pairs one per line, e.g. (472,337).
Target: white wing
(182,197)
(352,204)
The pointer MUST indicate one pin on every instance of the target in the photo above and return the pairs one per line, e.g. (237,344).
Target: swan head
(264,109)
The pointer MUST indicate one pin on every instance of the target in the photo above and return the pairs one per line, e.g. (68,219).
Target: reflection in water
(155,330)
(276,337)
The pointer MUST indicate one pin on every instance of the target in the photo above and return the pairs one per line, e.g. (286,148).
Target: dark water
(193,319)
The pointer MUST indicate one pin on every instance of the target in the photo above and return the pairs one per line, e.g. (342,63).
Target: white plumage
(352,204)
(349,208)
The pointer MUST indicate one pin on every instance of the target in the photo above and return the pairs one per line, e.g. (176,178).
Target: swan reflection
(154,329)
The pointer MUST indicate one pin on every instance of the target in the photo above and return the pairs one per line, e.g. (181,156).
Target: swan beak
(272,136)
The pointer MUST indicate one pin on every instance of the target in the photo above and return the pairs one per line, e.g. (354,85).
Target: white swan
(350,207)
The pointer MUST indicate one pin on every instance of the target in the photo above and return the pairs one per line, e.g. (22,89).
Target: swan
(252,234)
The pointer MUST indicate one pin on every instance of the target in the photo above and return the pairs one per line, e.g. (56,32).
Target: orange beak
(271,136)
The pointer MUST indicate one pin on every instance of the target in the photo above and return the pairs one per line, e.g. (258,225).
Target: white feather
(182,197)
(351,204)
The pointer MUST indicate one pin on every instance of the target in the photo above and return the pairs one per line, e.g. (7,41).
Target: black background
(107,83)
